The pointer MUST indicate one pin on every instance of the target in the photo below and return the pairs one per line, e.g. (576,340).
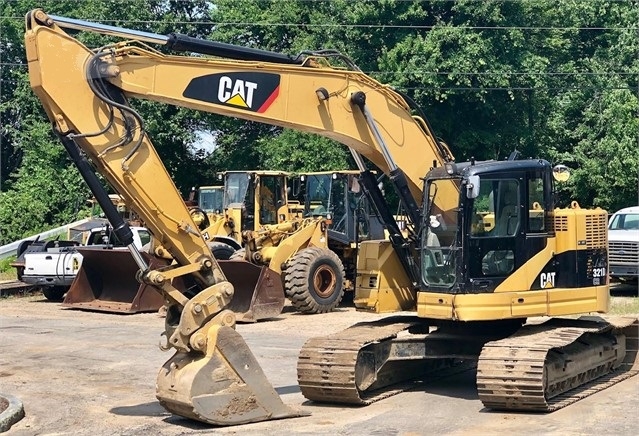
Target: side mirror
(472,187)
(561,173)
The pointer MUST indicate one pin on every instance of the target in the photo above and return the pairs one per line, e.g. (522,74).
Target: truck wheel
(220,250)
(54,293)
(314,280)
(21,249)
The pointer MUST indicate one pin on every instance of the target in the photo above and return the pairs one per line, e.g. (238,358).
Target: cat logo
(239,93)
(547,280)
(249,91)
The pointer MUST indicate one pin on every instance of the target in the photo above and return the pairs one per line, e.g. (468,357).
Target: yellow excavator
(470,291)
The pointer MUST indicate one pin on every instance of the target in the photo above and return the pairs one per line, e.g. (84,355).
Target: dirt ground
(82,373)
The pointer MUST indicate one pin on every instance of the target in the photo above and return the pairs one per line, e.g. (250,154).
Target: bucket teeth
(225,387)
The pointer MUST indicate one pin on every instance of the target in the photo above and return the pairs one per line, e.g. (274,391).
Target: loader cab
(501,219)
(211,199)
(255,198)
(338,195)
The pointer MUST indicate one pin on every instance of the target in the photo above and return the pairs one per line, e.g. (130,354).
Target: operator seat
(507,222)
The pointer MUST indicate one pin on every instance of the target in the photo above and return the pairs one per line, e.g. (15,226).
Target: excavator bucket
(225,386)
(106,282)
(259,293)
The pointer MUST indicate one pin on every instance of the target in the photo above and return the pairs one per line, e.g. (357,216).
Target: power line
(353,26)
(463,73)
(518,88)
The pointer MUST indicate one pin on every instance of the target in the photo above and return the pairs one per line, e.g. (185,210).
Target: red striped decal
(271,98)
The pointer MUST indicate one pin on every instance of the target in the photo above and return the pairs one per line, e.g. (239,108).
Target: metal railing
(10,249)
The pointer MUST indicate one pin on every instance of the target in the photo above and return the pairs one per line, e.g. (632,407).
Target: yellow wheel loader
(211,199)
(275,234)
(250,200)
(336,196)
(470,294)
(267,229)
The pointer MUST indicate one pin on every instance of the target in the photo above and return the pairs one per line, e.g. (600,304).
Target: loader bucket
(259,293)
(224,387)
(106,282)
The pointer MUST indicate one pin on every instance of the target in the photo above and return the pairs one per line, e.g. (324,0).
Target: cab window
(496,209)
(536,212)
(624,221)
(145,237)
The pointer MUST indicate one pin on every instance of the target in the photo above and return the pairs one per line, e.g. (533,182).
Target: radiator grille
(596,230)
(561,223)
(623,252)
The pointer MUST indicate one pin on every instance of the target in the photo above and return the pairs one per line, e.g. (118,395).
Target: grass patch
(33,294)
(624,306)
(8,275)
(7,272)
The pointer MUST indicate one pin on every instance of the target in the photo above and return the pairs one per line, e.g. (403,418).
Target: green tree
(545,77)
(33,162)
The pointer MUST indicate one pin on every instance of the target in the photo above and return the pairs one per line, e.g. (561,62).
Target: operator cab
(256,193)
(478,234)
(211,199)
(338,195)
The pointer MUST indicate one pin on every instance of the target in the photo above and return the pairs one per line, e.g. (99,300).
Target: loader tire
(314,280)
(220,250)
(54,293)
(238,255)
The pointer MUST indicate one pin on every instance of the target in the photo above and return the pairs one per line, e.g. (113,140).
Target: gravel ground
(82,373)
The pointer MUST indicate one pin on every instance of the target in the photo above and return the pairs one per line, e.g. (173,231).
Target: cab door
(495,231)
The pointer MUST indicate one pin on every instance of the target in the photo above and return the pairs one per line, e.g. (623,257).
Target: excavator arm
(213,377)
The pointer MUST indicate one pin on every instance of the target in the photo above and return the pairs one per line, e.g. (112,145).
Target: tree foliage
(40,186)
(554,79)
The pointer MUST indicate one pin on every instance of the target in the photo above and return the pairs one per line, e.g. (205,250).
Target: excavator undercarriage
(537,367)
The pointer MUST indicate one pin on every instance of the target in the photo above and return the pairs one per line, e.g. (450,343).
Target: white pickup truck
(623,244)
(55,269)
